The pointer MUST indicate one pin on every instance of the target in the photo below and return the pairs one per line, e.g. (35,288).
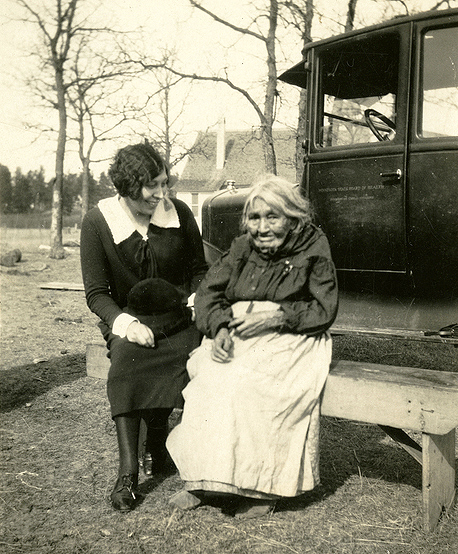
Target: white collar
(165,215)
(122,227)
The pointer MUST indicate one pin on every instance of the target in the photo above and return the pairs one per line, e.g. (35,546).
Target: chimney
(221,145)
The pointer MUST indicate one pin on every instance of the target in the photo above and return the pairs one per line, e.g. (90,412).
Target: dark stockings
(157,428)
(128,430)
(156,434)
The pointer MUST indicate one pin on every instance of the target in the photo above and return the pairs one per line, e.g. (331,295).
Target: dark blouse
(300,277)
(110,270)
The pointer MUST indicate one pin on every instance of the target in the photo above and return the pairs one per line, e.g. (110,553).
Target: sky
(167,22)
(201,45)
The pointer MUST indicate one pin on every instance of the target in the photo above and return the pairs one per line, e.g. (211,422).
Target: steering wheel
(374,113)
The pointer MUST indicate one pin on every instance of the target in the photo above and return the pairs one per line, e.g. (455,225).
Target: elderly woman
(141,251)
(250,420)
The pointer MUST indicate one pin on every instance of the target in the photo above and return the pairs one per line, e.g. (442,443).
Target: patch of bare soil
(39,324)
(59,456)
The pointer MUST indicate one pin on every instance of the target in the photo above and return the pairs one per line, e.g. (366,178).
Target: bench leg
(438,476)
(403,439)
(97,362)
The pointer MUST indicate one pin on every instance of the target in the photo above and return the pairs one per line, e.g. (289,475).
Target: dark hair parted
(134,166)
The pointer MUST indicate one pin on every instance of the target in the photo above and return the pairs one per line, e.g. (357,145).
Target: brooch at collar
(288,267)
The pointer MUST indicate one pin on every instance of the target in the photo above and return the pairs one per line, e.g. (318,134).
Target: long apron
(251,426)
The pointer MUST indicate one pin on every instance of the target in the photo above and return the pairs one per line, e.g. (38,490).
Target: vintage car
(380,164)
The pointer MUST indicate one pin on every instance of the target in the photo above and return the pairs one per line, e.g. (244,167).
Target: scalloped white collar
(122,227)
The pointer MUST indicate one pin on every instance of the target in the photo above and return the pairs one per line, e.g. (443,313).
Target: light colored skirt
(251,426)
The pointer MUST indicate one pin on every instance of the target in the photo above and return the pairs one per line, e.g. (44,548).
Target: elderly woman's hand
(222,345)
(141,334)
(254,323)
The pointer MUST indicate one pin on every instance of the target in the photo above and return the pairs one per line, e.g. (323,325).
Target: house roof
(244,159)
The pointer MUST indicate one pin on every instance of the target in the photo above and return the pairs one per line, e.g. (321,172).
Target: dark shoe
(184,500)
(123,496)
(155,463)
(146,463)
(250,508)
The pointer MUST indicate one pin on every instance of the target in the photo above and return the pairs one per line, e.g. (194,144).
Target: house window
(195,203)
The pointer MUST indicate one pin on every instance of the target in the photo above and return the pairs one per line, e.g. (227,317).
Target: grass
(60,467)
(27,239)
(37,220)
(59,453)
(397,352)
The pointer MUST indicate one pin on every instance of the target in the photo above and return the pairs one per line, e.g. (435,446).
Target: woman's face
(150,195)
(267,226)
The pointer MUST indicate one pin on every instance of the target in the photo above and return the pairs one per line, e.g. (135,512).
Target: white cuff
(190,303)
(121,323)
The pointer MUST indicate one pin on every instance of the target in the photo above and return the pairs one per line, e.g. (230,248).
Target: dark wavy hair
(135,166)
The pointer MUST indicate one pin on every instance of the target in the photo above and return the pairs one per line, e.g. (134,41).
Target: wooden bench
(395,398)
(97,363)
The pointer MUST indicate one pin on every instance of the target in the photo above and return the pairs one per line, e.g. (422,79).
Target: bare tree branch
(242,30)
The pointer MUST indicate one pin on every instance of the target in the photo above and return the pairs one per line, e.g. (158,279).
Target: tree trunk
(57,249)
(86,163)
(85,189)
(166,114)
(271,92)
(270,159)
(302,117)
(301,130)
(350,15)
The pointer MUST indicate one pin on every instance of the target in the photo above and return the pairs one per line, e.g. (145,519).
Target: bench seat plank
(403,397)
(97,361)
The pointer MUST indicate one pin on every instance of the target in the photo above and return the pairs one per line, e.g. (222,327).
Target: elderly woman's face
(267,226)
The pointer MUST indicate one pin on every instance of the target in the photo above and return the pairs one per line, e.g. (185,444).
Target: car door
(355,170)
(433,158)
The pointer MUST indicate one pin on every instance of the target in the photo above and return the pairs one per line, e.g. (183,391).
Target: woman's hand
(254,323)
(141,334)
(222,345)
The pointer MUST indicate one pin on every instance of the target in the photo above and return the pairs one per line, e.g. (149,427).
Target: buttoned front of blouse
(301,278)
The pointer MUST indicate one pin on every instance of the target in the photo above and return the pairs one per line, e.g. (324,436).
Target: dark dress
(114,258)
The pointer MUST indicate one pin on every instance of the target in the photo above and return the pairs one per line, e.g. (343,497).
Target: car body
(380,157)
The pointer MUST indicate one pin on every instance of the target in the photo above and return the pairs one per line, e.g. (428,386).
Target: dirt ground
(39,324)
(59,452)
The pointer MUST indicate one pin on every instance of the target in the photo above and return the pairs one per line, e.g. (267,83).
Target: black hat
(153,296)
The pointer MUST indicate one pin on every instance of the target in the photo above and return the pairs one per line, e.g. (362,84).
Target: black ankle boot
(123,497)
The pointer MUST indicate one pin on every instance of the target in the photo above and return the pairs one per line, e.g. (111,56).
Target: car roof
(296,75)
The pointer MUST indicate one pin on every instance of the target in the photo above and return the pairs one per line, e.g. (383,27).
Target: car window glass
(439,106)
(358,83)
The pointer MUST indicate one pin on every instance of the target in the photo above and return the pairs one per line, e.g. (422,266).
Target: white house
(223,156)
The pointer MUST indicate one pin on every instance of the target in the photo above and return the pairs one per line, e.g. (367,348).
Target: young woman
(140,234)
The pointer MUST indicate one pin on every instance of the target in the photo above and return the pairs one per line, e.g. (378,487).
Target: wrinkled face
(267,226)
(150,195)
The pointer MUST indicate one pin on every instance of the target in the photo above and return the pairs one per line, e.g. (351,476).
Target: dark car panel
(380,155)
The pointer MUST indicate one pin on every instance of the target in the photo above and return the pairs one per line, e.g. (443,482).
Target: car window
(358,84)
(439,105)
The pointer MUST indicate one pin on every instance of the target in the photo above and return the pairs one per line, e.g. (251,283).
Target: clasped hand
(141,334)
(248,325)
